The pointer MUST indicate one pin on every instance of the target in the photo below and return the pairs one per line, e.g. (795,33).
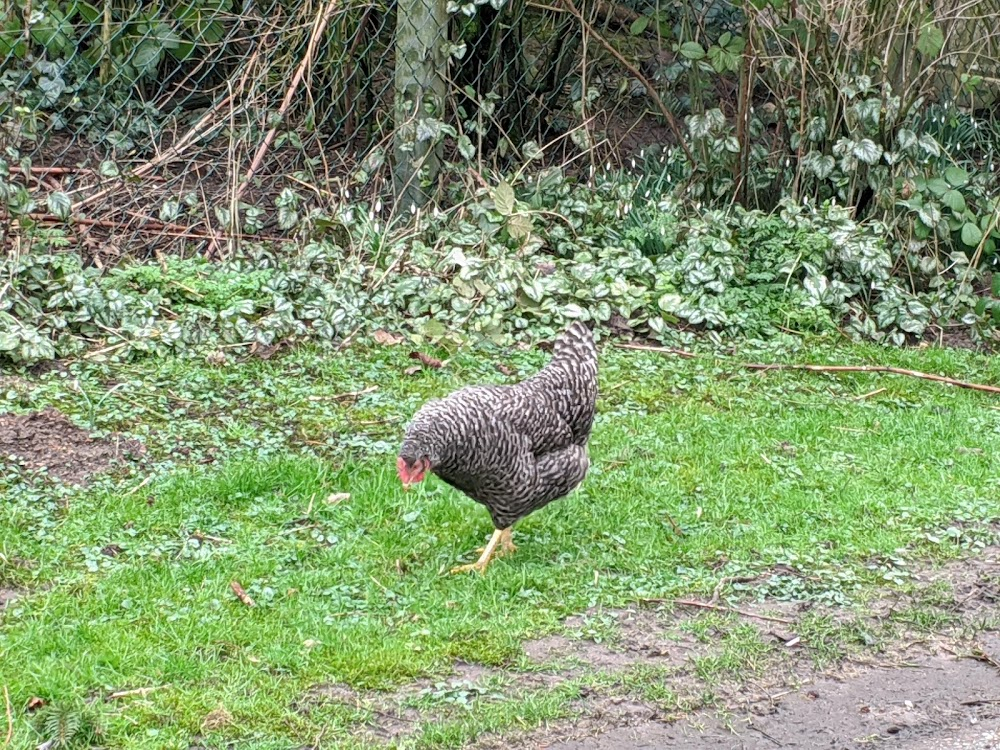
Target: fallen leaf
(216,358)
(506,370)
(35,703)
(338,497)
(426,360)
(386,338)
(412,370)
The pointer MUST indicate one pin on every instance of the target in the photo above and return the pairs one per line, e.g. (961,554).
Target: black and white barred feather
(514,448)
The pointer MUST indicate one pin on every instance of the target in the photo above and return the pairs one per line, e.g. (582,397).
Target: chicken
(512,448)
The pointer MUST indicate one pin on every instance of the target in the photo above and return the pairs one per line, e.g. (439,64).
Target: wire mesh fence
(153,126)
(178,122)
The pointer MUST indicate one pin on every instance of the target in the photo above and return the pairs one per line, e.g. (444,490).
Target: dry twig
(319,26)
(637,74)
(346,396)
(877,368)
(242,594)
(658,350)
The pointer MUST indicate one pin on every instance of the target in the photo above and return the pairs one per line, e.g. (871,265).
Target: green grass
(702,470)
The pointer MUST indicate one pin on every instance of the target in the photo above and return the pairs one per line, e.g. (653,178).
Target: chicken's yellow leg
(501,537)
(507,545)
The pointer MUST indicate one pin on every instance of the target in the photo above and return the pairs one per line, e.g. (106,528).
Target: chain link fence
(155,126)
(152,127)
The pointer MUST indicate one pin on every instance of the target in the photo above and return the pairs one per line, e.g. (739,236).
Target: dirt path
(912,688)
(936,704)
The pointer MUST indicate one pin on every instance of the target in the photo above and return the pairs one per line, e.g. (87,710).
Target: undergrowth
(513,265)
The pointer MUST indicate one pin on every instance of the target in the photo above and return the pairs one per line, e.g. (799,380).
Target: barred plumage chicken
(512,448)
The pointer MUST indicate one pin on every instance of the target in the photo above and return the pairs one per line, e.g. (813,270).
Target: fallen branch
(657,349)
(608,11)
(52,170)
(863,396)
(877,368)
(195,133)
(319,26)
(718,608)
(242,594)
(148,225)
(980,702)
(726,581)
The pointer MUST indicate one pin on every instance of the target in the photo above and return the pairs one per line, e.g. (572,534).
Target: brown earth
(918,689)
(46,441)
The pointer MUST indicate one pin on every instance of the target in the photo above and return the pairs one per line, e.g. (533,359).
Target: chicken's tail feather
(576,342)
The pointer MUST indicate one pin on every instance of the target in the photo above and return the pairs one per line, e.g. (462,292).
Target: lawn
(279,474)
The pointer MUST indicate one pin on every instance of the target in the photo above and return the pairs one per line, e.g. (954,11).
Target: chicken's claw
(478,567)
(503,537)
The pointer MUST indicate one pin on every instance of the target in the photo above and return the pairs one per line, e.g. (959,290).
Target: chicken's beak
(405,473)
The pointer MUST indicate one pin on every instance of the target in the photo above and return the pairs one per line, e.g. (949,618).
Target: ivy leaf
(930,215)
(503,198)
(519,226)
(170,210)
(699,126)
(60,204)
(670,302)
(465,147)
(531,150)
(930,40)
(8,341)
(868,151)
(954,200)
(906,138)
(971,235)
(820,165)
(109,169)
(147,55)
(929,145)
(956,176)
(639,25)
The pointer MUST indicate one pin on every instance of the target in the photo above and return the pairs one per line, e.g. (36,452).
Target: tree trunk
(421,66)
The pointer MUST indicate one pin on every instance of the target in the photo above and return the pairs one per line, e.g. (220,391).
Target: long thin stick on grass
(877,368)
(829,368)
(319,26)
(658,350)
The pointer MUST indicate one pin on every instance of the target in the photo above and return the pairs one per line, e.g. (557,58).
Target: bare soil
(46,441)
(921,689)
(932,698)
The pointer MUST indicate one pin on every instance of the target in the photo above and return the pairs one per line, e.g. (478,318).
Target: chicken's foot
(503,537)
(507,545)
